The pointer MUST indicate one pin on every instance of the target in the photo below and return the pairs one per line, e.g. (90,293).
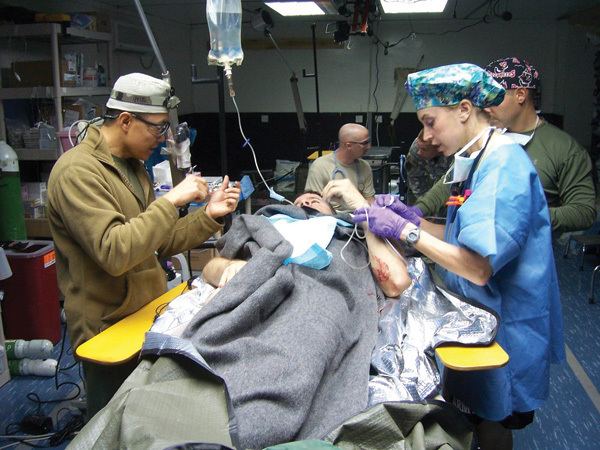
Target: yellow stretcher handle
(123,341)
(472,358)
(315,155)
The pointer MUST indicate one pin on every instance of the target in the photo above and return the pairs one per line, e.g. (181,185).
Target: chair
(586,241)
(591,296)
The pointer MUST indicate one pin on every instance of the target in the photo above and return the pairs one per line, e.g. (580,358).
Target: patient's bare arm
(389,268)
(219,270)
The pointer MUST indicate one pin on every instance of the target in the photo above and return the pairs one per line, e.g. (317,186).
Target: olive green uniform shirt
(322,170)
(565,171)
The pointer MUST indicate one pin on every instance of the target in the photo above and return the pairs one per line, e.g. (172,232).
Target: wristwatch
(413,236)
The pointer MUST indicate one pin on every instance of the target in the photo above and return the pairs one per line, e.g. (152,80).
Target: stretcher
(123,341)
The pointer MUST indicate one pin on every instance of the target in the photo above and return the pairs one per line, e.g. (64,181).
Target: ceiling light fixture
(297,8)
(412,6)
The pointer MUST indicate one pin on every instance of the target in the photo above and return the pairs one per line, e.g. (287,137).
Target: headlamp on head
(140,93)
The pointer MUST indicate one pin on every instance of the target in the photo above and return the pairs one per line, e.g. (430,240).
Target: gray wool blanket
(293,344)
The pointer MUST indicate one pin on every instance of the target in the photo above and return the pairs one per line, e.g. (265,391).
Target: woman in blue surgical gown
(495,247)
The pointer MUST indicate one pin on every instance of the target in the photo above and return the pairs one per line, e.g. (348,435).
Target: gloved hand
(412,213)
(383,222)
(344,192)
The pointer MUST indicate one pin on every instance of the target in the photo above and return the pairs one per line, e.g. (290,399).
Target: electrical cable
(83,132)
(387,46)
(275,179)
(34,397)
(26,436)
(54,439)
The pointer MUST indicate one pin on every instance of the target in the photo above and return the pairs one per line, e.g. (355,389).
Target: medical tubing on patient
(354,232)
(366,213)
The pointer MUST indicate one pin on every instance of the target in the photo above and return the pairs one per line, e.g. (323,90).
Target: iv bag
(224,19)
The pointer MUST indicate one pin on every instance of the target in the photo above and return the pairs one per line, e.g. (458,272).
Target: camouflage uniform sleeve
(419,180)
(434,199)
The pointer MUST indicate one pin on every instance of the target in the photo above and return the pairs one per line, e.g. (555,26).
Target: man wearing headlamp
(108,228)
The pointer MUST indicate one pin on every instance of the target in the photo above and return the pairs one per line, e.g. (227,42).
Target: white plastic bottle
(224,19)
(35,349)
(37,367)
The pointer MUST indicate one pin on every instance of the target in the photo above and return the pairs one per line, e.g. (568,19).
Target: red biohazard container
(30,309)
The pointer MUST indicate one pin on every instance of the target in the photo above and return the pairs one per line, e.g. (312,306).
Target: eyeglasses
(362,143)
(159,129)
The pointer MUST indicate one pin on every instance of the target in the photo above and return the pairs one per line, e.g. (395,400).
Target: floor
(60,396)
(570,419)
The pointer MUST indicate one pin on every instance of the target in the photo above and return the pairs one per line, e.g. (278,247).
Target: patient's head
(312,199)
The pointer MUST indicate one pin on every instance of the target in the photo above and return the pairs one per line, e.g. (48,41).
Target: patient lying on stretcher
(309,234)
(386,263)
(302,338)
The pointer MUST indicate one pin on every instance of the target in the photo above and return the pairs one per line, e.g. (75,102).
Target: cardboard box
(32,210)
(81,109)
(199,257)
(38,228)
(30,74)
(71,69)
(39,73)
(35,192)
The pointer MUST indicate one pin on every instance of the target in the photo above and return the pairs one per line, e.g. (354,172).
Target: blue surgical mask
(309,239)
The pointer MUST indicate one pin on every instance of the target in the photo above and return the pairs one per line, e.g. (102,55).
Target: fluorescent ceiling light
(412,6)
(296,8)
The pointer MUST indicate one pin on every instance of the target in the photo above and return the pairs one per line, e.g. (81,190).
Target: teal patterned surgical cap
(448,85)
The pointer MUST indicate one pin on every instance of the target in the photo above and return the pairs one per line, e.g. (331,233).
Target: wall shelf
(70,35)
(48,92)
(57,35)
(36,154)
(37,228)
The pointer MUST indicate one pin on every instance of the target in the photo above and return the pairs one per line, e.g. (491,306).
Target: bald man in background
(345,162)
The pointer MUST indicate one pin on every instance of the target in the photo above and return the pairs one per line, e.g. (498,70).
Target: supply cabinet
(58,36)
(51,41)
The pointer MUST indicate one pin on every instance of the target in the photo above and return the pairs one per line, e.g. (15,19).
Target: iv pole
(177,175)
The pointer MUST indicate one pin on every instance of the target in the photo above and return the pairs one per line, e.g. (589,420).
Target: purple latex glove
(412,213)
(383,222)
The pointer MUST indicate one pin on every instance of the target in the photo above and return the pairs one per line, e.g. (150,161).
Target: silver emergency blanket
(411,327)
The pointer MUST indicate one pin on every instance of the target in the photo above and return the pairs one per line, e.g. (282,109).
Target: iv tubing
(271,190)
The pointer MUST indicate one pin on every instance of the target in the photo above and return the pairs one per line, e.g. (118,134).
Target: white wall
(347,77)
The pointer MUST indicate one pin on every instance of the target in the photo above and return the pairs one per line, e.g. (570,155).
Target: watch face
(413,236)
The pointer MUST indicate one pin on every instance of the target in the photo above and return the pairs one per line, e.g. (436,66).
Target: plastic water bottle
(35,349)
(224,19)
(37,367)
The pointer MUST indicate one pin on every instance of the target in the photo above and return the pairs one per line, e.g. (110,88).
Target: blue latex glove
(412,213)
(383,222)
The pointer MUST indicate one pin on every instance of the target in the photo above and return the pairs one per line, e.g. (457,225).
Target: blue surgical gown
(506,220)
